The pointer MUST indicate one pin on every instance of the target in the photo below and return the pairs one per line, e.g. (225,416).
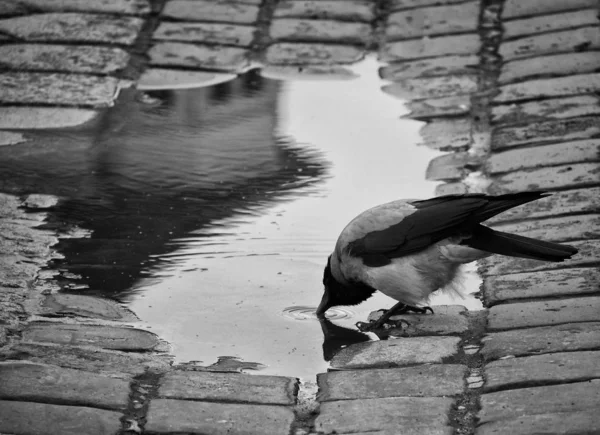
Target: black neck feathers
(352,293)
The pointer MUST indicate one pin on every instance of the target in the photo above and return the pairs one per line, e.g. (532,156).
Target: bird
(407,249)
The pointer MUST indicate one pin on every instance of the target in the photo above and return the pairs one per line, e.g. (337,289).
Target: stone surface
(206,10)
(351,10)
(546,339)
(584,38)
(557,229)
(448,319)
(91,359)
(9,138)
(85,306)
(551,65)
(40,201)
(588,255)
(447,135)
(450,166)
(287,53)
(107,337)
(439,20)
(396,353)
(228,387)
(405,4)
(213,33)
(232,59)
(303,72)
(133,7)
(548,131)
(439,107)
(503,405)
(23,117)
(584,200)
(542,313)
(520,8)
(42,418)
(414,414)
(293,29)
(559,423)
(70,27)
(468,44)
(431,87)
(164,78)
(177,416)
(549,23)
(556,177)
(542,369)
(69,58)
(418,381)
(451,189)
(565,282)
(435,66)
(555,108)
(45,383)
(553,87)
(57,88)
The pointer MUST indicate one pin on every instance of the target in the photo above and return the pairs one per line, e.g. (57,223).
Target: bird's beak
(324,305)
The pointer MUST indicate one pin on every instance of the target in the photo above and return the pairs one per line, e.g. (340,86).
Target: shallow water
(213,210)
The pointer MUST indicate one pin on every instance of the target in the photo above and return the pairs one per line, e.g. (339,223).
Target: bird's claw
(377,325)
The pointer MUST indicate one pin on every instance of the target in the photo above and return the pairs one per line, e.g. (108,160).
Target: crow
(408,249)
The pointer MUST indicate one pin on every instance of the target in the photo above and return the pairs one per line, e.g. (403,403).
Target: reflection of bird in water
(408,249)
(337,337)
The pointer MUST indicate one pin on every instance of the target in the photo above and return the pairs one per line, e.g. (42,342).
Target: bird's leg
(399,308)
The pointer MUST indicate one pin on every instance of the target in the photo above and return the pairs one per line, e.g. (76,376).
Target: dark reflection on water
(156,167)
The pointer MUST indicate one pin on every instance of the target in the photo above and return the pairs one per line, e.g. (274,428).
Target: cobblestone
(547,131)
(551,65)
(564,282)
(405,4)
(582,422)
(23,117)
(447,135)
(416,381)
(567,337)
(430,47)
(215,33)
(206,10)
(164,78)
(351,10)
(85,306)
(450,166)
(311,72)
(431,87)
(292,29)
(439,107)
(549,23)
(519,8)
(133,7)
(232,59)
(287,53)
(436,66)
(553,87)
(557,229)
(555,108)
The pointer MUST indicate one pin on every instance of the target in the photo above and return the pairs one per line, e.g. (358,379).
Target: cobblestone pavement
(508,88)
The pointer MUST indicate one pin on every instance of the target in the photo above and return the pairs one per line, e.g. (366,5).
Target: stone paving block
(91,359)
(396,353)
(73,27)
(551,65)
(425,415)
(418,381)
(552,87)
(164,78)
(556,177)
(447,320)
(548,23)
(447,135)
(233,59)
(42,418)
(228,387)
(435,66)
(439,107)
(206,10)
(406,4)
(351,10)
(69,58)
(468,44)
(311,72)
(183,416)
(131,7)
(107,337)
(553,108)
(9,138)
(287,53)
(450,166)
(542,369)
(583,38)
(547,131)
(559,423)
(574,397)
(439,20)
(559,229)
(213,33)
(293,29)
(45,383)
(85,306)
(451,189)
(520,8)
(431,87)
(564,282)
(23,117)
(588,255)
(58,88)
(542,313)
(567,337)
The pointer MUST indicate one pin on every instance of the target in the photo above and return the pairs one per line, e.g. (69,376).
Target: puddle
(213,210)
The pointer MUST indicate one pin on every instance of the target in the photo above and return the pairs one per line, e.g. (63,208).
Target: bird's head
(329,298)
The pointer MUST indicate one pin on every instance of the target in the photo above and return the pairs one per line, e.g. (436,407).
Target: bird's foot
(383,321)
(418,310)
(377,325)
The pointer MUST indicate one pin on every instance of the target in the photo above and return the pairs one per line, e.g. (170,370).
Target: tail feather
(497,242)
